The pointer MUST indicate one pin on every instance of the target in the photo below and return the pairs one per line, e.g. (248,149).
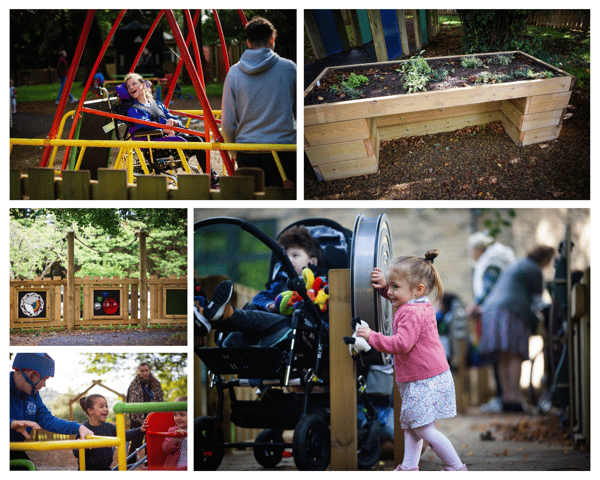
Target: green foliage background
(107,243)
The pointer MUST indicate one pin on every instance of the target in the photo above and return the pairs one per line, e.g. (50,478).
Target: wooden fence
(42,184)
(39,303)
(573,19)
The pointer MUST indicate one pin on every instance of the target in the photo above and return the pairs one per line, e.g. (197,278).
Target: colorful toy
(357,344)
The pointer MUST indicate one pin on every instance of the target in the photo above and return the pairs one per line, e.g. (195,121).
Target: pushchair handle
(277,249)
(258,233)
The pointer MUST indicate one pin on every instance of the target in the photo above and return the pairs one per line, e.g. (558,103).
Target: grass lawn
(45,92)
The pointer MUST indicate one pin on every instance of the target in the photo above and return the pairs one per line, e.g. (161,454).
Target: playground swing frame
(94,441)
(212,132)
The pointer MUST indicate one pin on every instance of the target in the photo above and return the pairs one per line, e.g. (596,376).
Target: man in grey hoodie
(259,102)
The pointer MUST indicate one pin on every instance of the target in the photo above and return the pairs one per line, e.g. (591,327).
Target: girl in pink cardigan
(422,371)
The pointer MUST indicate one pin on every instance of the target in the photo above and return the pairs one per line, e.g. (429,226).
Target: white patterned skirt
(424,401)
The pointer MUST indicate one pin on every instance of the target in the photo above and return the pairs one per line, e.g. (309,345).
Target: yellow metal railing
(93,441)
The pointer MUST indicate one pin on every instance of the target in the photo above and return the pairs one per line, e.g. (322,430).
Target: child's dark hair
(419,270)
(299,236)
(259,31)
(89,401)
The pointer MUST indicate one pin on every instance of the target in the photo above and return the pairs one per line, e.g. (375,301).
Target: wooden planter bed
(342,138)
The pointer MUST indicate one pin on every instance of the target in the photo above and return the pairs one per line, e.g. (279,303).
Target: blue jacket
(24,406)
(141,112)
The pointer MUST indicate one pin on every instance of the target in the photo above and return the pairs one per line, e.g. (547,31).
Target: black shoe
(221,297)
(512,407)
(214,179)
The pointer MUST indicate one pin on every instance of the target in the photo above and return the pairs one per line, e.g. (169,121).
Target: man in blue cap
(27,410)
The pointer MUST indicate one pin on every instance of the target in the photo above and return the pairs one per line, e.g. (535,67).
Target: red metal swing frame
(196,75)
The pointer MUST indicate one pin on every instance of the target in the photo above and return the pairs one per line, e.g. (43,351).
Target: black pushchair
(296,356)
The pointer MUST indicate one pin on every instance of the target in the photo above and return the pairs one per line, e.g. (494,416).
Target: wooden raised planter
(342,139)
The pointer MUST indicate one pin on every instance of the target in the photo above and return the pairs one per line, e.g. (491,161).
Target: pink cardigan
(415,343)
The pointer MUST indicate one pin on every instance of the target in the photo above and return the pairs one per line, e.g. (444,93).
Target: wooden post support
(403,32)
(69,310)
(343,384)
(378,38)
(417,25)
(398,432)
(143,281)
(313,35)
(341,26)
(358,40)
(462,392)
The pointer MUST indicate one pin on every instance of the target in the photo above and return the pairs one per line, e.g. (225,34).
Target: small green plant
(416,72)
(500,60)
(350,86)
(439,75)
(471,62)
(492,78)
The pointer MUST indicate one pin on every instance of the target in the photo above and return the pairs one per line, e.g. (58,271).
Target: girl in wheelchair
(141,105)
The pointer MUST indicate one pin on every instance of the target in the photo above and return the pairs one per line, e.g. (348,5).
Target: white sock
(440,445)
(413,445)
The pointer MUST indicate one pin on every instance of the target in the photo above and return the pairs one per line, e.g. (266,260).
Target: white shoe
(493,406)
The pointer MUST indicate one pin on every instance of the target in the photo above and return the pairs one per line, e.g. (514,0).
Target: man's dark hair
(259,31)
(299,236)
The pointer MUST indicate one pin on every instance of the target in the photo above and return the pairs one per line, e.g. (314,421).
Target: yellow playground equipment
(94,441)
(95,124)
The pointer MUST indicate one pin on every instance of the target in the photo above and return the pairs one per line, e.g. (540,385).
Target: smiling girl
(422,371)
(96,408)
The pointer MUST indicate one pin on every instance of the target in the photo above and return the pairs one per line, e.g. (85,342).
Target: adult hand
(84,431)
(21,426)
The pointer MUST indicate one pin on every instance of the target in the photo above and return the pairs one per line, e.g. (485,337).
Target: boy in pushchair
(264,317)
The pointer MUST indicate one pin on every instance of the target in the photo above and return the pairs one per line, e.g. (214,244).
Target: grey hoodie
(259,99)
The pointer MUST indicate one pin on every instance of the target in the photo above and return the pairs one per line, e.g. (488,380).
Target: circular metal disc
(371,248)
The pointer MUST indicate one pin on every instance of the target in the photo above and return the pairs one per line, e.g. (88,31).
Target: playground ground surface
(513,443)
(101,337)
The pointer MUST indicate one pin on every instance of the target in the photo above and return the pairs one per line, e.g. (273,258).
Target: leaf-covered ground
(474,162)
(103,337)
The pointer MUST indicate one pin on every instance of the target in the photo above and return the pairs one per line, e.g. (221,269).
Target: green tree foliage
(169,368)
(492,30)
(106,241)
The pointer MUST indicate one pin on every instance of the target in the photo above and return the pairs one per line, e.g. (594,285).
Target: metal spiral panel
(371,247)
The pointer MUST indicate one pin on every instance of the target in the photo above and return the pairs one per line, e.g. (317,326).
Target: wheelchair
(294,356)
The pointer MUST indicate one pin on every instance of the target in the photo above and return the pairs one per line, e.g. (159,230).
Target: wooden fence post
(143,281)
(344,436)
(69,308)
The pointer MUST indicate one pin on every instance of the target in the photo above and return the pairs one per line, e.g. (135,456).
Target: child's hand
(363,332)
(144,425)
(378,279)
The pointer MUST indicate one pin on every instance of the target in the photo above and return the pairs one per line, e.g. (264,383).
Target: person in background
(63,71)
(259,103)
(144,388)
(490,259)
(509,317)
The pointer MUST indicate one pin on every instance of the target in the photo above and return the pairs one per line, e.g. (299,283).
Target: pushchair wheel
(368,451)
(269,457)
(311,443)
(209,439)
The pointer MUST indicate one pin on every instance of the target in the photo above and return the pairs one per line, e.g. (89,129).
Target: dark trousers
(266,162)
(136,443)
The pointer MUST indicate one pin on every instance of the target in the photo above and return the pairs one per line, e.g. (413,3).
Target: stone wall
(416,230)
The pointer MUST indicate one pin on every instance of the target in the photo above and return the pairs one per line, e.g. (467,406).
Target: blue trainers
(221,297)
